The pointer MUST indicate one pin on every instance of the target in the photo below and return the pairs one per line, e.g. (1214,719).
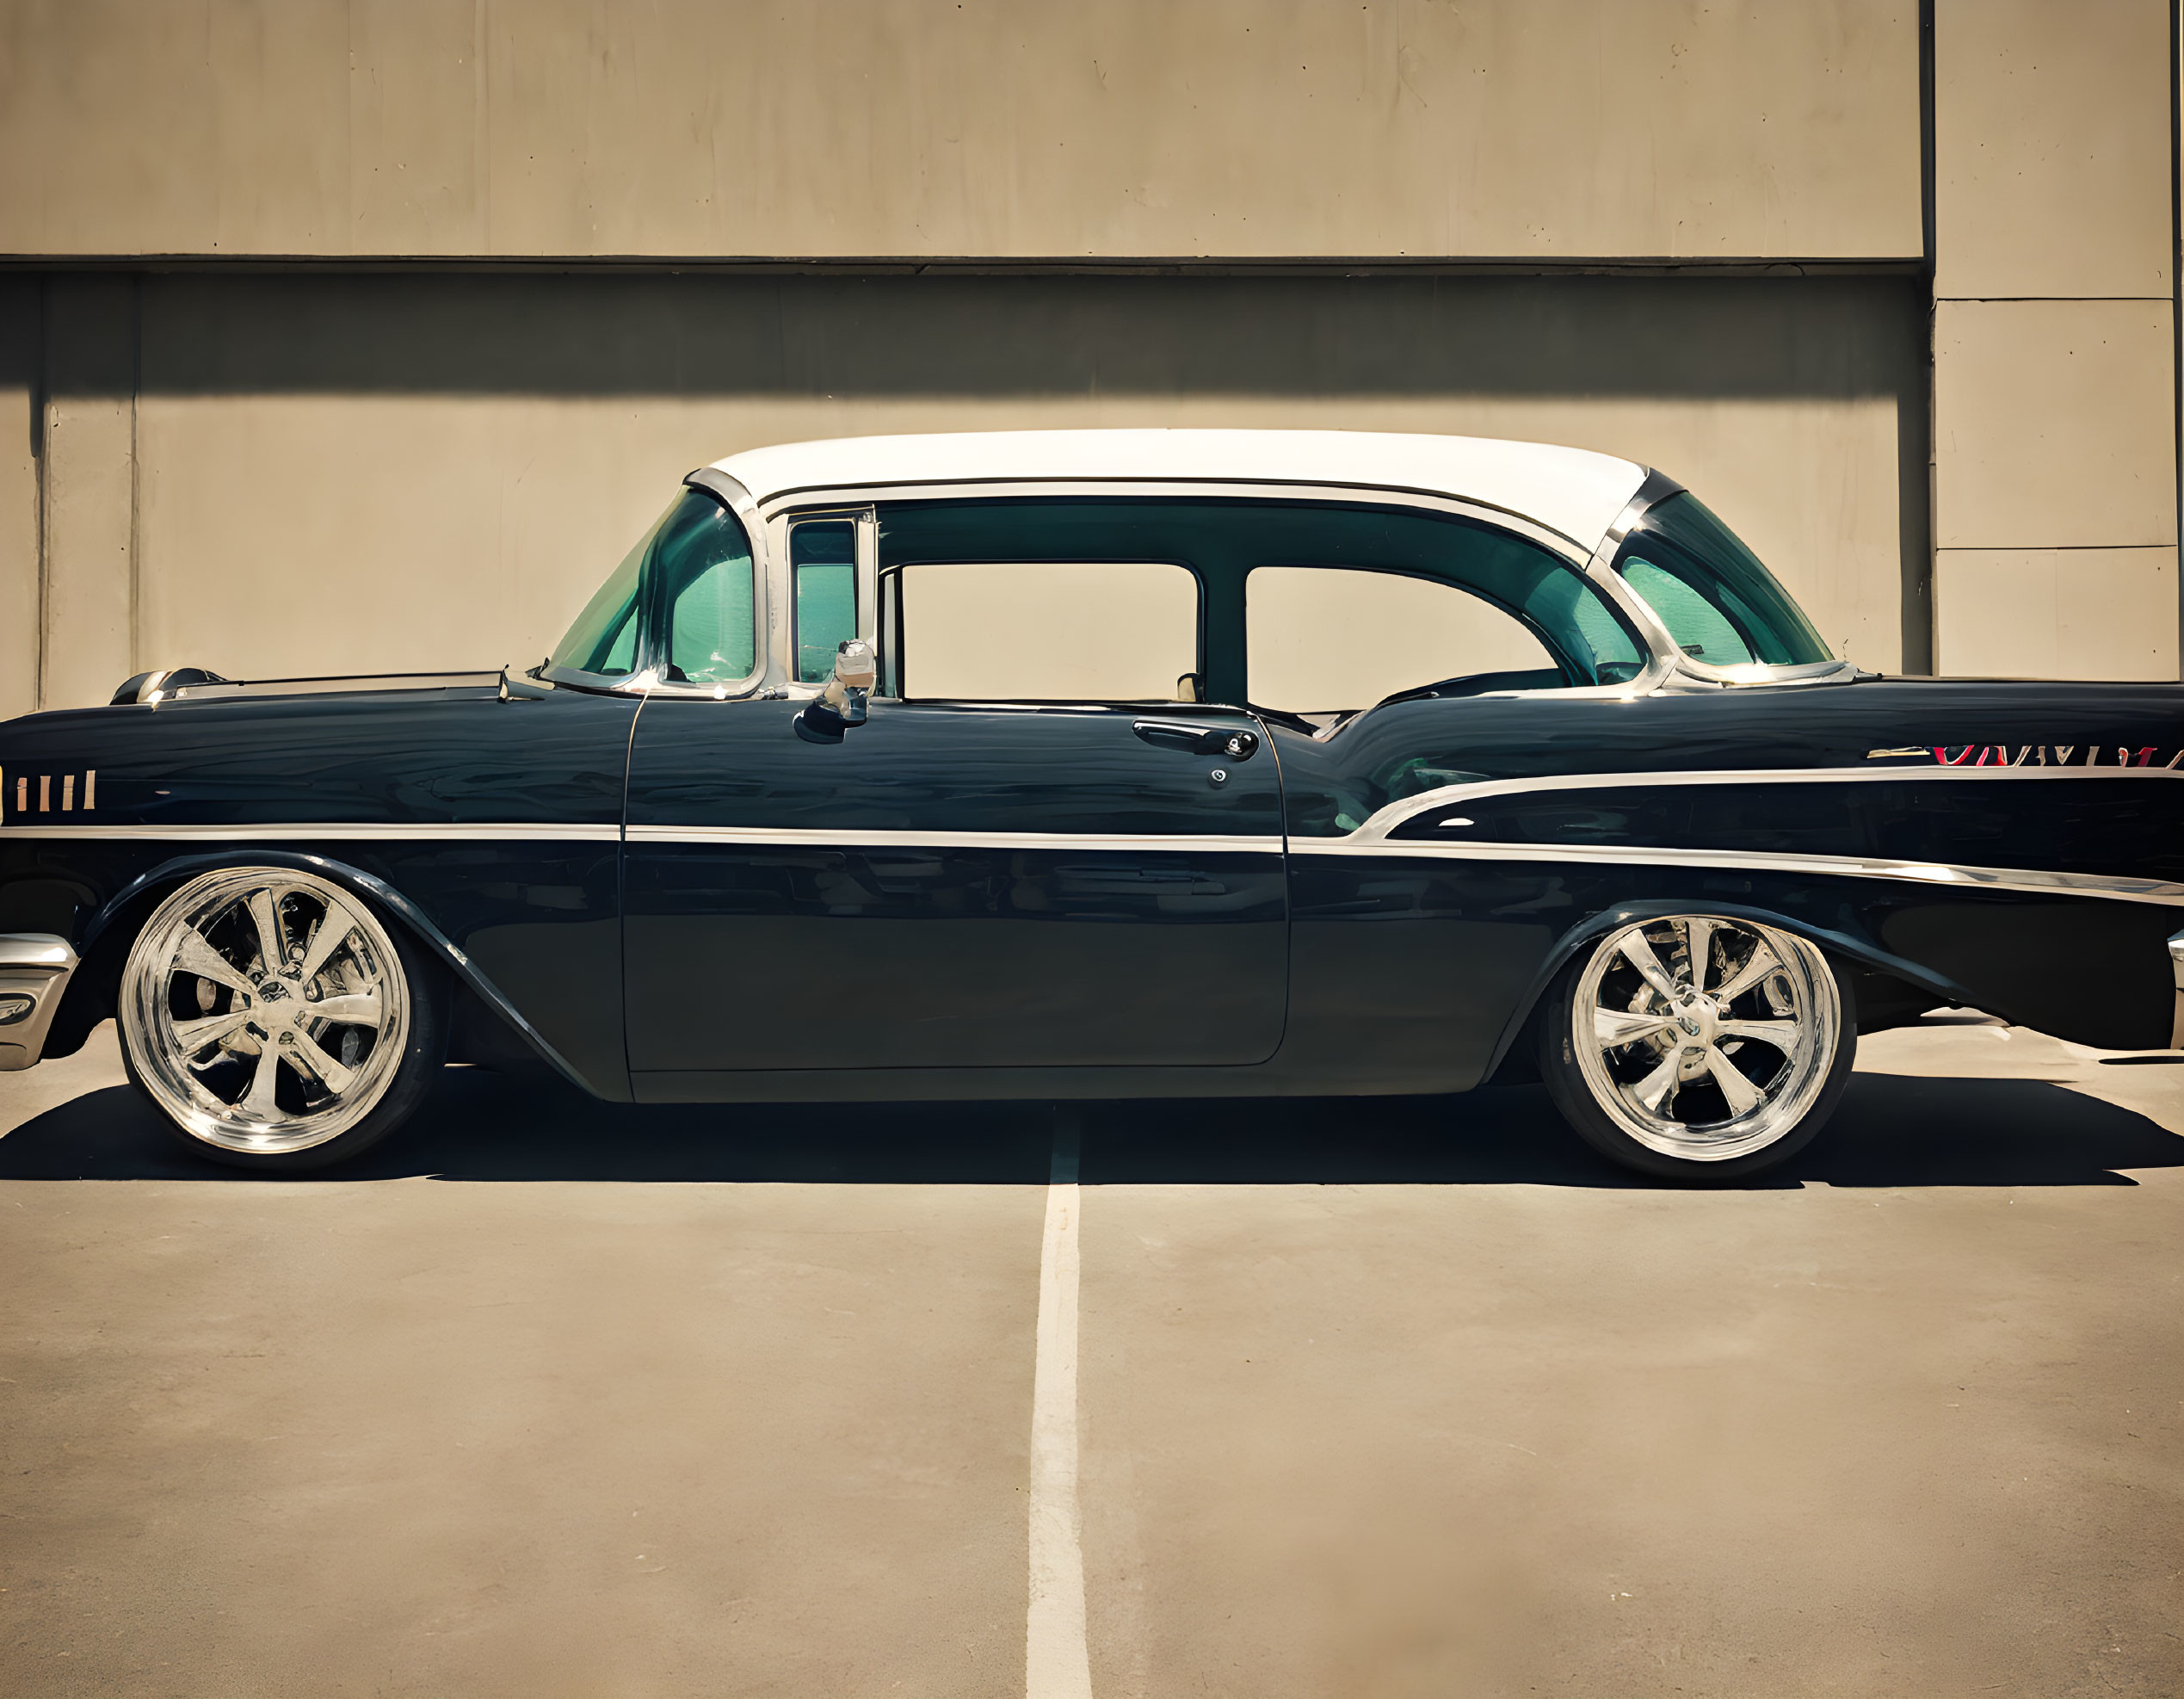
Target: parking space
(1399,1398)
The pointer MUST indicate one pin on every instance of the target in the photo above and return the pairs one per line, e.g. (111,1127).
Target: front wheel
(275,1022)
(1697,1046)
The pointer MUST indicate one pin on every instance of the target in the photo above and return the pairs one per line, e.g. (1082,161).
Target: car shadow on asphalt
(1891,1130)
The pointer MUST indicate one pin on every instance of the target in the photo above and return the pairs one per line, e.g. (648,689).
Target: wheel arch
(114,928)
(1852,945)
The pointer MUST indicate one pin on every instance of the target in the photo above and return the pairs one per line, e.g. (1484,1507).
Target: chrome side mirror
(842,703)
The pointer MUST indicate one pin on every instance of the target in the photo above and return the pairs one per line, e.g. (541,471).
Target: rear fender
(1853,945)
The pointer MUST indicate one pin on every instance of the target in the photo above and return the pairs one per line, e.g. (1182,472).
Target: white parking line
(1056,1663)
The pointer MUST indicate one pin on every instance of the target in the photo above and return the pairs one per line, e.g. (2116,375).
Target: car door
(1039,859)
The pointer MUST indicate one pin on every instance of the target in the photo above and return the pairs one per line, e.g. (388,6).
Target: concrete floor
(1399,1398)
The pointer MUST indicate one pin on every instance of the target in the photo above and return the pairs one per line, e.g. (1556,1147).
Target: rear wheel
(276,1022)
(1698,1047)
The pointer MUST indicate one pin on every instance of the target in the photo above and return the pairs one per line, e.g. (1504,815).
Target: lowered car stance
(1102,764)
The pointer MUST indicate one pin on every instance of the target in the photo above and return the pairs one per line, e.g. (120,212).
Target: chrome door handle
(1177,734)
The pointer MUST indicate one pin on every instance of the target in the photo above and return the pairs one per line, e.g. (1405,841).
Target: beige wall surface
(1538,128)
(2055,423)
(2058,613)
(2055,484)
(19,448)
(373,474)
(2052,148)
(89,419)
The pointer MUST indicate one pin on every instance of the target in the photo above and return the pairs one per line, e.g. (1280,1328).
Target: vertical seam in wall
(1926,133)
(136,461)
(41,460)
(1930,268)
(2176,301)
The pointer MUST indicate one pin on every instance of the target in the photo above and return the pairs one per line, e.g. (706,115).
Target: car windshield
(603,640)
(1720,604)
(702,589)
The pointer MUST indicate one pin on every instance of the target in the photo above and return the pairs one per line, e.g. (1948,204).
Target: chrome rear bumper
(34,970)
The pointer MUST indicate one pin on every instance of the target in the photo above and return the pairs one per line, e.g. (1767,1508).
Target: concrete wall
(21,624)
(352,452)
(1542,128)
(340,473)
(2055,375)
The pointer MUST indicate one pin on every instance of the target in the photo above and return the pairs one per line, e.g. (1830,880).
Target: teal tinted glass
(1578,623)
(1698,627)
(603,640)
(823,563)
(1717,599)
(701,563)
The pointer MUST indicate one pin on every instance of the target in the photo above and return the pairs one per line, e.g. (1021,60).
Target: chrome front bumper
(34,970)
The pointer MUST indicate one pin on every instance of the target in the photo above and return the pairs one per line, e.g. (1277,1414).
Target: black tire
(1603,1103)
(427,999)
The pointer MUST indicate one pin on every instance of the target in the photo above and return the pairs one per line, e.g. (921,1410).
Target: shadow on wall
(1258,347)
(1890,1131)
(815,335)
(1038,335)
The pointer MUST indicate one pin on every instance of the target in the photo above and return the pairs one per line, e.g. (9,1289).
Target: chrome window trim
(629,685)
(1277,489)
(1661,651)
(1686,672)
(1656,487)
(780,658)
(1668,669)
(732,490)
(646,679)
(650,679)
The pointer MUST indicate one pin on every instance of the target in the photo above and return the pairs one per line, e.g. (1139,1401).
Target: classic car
(1118,764)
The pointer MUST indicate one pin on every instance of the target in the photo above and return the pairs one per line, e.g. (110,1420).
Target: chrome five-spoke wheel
(269,1014)
(1698,1044)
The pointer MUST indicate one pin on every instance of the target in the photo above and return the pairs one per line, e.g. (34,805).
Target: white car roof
(1572,490)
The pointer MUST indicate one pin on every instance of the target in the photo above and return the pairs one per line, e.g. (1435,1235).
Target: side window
(1327,639)
(1043,631)
(823,568)
(1699,629)
(701,563)
(1717,600)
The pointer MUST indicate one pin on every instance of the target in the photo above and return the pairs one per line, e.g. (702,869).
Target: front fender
(114,928)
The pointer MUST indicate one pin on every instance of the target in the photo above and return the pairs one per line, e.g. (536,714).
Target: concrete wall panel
(416,135)
(2052,148)
(377,473)
(2054,424)
(90,418)
(20,334)
(387,533)
(1551,128)
(2080,613)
